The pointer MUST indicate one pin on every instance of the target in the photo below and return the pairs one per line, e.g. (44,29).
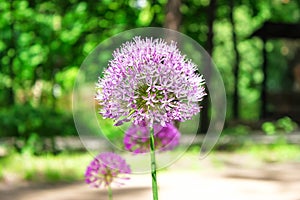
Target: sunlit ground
(255,172)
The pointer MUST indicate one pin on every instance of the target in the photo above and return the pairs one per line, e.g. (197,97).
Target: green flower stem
(153,165)
(109,193)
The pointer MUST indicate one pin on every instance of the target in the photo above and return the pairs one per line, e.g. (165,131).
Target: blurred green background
(43,43)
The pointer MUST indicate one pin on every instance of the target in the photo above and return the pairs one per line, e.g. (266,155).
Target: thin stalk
(109,193)
(153,165)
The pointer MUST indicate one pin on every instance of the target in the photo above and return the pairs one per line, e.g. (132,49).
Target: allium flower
(137,138)
(106,168)
(149,80)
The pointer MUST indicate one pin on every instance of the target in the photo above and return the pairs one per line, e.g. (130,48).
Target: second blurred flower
(137,138)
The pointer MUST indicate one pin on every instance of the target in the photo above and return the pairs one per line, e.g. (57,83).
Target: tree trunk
(263,94)
(11,94)
(173,15)
(235,101)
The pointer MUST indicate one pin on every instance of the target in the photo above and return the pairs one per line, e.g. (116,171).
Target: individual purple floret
(106,168)
(149,80)
(137,138)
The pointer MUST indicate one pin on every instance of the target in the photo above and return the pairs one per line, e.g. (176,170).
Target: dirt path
(234,180)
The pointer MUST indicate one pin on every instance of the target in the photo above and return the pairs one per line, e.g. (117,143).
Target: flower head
(105,168)
(149,80)
(137,138)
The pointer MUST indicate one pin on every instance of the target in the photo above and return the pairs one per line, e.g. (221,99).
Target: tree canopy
(43,43)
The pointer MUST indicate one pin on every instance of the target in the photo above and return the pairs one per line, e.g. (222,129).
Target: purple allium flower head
(149,80)
(137,138)
(106,168)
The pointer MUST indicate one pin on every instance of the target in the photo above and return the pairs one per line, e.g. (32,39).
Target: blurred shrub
(238,130)
(33,145)
(282,125)
(269,128)
(32,126)
(24,120)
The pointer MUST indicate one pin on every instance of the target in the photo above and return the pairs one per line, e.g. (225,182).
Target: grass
(273,153)
(68,167)
(49,168)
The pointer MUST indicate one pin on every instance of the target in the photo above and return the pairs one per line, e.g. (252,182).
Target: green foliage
(1,173)
(46,168)
(239,130)
(33,145)
(31,126)
(42,46)
(286,124)
(248,17)
(273,153)
(43,43)
(48,40)
(282,125)
(269,128)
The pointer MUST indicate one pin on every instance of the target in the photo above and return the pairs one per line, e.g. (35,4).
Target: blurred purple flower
(137,138)
(149,80)
(106,168)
